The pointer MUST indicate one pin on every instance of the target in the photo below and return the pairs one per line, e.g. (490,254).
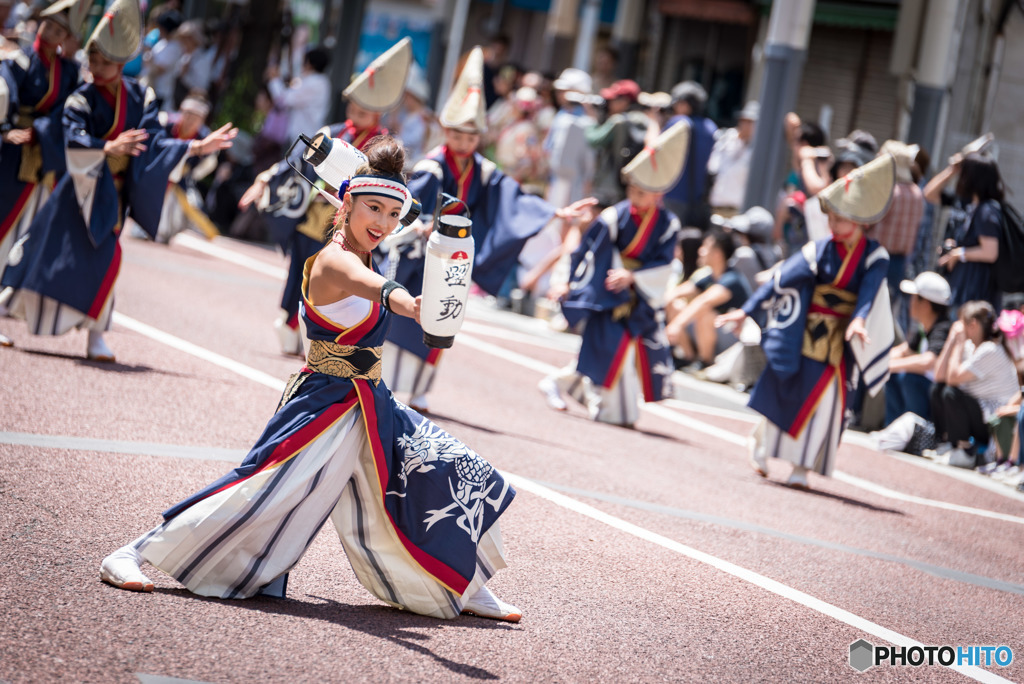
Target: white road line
(731,414)
(474,327)
(766,583)
(224,254)
(199,352)
(733,438)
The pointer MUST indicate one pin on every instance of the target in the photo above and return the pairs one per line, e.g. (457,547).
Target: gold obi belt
(825,332)
(623,311)
(344,361)
(31,154)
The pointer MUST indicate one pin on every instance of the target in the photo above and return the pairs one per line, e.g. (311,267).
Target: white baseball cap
(928,285)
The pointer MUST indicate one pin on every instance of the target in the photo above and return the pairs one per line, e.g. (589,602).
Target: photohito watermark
(865,655)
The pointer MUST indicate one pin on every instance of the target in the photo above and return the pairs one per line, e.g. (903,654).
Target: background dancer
(504,218)
(295,215)
(62,276)
(619,276)
(417,511)
(32,151)
(821,299)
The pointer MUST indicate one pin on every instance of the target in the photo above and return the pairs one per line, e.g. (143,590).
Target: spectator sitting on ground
(714,290)
(687,199)
(912,363)
(308,97)
(730,163)
(621,137)
(975,375)
(755,253)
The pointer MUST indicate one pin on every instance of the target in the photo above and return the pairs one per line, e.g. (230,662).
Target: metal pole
(346,48)
(940,43)
(785,51)
(590,20)
(451,58)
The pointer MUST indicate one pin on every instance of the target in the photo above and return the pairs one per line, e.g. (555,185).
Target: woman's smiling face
(371,219)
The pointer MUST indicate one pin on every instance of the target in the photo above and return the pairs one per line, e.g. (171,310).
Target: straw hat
(70,14)
(118,35)
(381,85)
(658,167)
(905,156)
(864,194)
(465,109)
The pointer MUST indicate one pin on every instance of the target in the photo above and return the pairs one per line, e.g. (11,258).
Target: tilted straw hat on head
(70,14)
(659,166)
(863,195)
(905,155)
(118,35)
(381,85)
(465,109)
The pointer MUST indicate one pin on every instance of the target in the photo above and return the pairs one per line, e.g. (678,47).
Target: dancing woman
(828,322)
(416,509)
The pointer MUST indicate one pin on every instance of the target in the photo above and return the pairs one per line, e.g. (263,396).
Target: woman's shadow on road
(381,622)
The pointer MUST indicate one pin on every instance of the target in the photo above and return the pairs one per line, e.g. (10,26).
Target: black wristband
(385,293)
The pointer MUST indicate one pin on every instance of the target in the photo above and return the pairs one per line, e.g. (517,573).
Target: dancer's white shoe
(798,478)
(549,388)
(419,403)
(121,569)
(98,349)
(6,341)
(485,604)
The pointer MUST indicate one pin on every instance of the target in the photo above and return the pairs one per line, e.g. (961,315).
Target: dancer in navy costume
(118,161)
(829,326)
(618,279)
(504,218)
(32,152)
(416,509)
(295,215)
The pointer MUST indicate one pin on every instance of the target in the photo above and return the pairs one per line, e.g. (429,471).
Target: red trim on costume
(50,98)
(293,322)
(616,366)
(643,370)
(811,402)
(19,206)
(356,332)
(358,137)
(119,102)
(464,177)
(298,440)
(850,262)
(107,285)
(645,228)
(435,568)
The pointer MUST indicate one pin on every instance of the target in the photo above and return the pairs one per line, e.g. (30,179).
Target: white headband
(378,185)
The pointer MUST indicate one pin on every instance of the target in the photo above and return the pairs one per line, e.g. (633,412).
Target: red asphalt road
(599,603)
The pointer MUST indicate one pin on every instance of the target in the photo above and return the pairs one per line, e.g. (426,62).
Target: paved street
(653,554)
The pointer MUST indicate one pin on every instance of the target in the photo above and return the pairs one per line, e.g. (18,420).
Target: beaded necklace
(339,237)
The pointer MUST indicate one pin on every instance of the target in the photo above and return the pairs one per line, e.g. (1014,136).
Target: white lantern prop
(333,159)
(447,270)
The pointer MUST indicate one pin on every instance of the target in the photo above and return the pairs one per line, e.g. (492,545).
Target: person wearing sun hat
(33,88)
(827,322)
(61,274)
(620,274)
(504,219)
(296,216)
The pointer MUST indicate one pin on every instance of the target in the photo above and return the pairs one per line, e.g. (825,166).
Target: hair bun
(385,156)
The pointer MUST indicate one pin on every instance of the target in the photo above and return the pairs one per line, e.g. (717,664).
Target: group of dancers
(416,510)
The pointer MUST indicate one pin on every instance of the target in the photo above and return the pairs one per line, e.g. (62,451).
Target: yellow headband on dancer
(863,195)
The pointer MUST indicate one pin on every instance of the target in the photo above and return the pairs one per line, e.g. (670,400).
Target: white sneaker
(6,341)
(98,349)
(485,604)
(291,341)
(121,569)
(798,478)
(961,459)
(549,388)
(759,461)
(419,403)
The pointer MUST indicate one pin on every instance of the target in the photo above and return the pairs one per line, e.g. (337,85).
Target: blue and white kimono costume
(183,205)
(504,218)
(416,509)
(61,275)
(624,353)
(37,89)
(808,305)
(297,218)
